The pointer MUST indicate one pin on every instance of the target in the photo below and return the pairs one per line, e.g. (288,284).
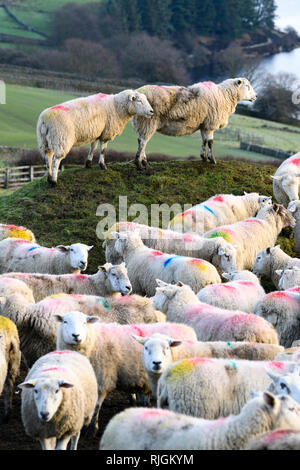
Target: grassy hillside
(24,105)
(67,214)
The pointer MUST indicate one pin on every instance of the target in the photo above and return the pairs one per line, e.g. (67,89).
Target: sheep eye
(35,391)
(146,349)
(56,391)
(291,409)
(283,385)
(65,321)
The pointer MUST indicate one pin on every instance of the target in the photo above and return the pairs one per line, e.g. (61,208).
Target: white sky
(288,13)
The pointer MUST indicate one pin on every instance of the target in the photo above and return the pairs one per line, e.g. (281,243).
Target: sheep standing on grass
(181,111)
(145,265)
(168,241)
(286,180)
(21,255)
(10,359)
(114,354)
(235,295)
(15,231)
(59,396)
(271,260)
(144,429)
(86,120)
(218,210)
(159,351)
(252,235)
(210,323)
(108,281)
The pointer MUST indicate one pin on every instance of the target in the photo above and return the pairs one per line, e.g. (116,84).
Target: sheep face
(139,105)
(111,255)
(294,209)
(246,92)
(125,241)
(262,263)
(284,410)
(47,395)
(78,253)
(289,278)
(265,201)
(117,278)
(157,354)
(74,327)
(227,254)
(287,384)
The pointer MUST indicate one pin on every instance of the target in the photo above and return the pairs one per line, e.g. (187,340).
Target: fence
(239,135)
(14,177)
(265,150)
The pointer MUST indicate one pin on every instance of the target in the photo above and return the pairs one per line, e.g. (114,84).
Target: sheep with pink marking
(10,286)
(16,231)
(286,180)
(235,295)
(281,439)
(108,280)
(218,210)
(243,275)
(114,354)
(180,304)
(145,265)
(252,235)
(86,120)
(159,351)
(17,255)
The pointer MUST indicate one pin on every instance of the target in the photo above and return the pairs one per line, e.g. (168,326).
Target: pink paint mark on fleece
(228,287)
(80,277)
(157,253)
(218,199)
(65,351)
(295,161)
(219,421)
(14,227)
(253,221)
(208,84)
(276,435)
(20,240)
(151,413)
(137,330)
(200,360)
(196,261)
(60,107)
(189,212)
(101,95)
(294,289)
(241,318)
(277,365)
(125,299)
(187,237)
(279,295)
(56,369)
(76,296)
(247,283)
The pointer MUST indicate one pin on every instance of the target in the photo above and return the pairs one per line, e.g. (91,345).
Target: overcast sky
(288,13)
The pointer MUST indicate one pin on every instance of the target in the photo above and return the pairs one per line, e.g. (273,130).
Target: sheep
(168,241)
(244,275)
(59,395)
(252,235)
(155,429)
(37,326)
(281,309)
(114,354)
(181,111)
(15,231)
(293,208)
(289,278)
(285,180)
(159,351)
(273,259)
(108,281)
(289,354)
(210,323)
(144,265)
(86,120)
(10,359)
(218,210)
(282,439)
(9,286)
(24,256)
(235,295)
(209,388)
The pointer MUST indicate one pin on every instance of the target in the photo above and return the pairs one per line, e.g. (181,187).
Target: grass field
(23,105)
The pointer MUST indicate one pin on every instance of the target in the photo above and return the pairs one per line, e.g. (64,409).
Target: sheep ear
(93,319)
(220,251)
(104,244)
(139,339)
(269,399)
(115,235)
(64,384)
(273,376)
(102,268)
(277,178)
(89,247)
(132,97)
(62,248)
(174,343)
(268,250)
(238,81)
(226,276)
(57,317)
(279,272)
(161,283)
(292,207)
(28,384)
(179,284)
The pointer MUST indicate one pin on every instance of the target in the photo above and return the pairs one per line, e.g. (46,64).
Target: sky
(288,13)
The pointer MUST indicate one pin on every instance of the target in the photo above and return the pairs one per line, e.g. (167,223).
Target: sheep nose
(128,288)
(44,415)
(76,336)
(156,365)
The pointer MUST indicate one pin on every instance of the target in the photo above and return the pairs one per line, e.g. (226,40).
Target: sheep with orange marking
(10,359)
(210,388)
(86,120)
(252,235)
(114,354)
(180,304)
(145,265)
(286,180)
(15,231)
(218,210)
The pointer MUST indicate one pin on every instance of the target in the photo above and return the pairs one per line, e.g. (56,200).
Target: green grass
(19,116)
(67,214)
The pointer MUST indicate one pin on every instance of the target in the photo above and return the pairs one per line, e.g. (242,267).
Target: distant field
(19,116)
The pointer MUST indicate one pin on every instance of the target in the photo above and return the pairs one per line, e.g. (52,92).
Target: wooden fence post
(6,181)
(31,173)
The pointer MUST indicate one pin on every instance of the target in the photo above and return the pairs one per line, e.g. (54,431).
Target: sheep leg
(48,444)
(141,158)
(103,146)
(74,441)
(55,167)
(8,397)
(89,159)
(210,152)
(203,154)
(63,442)
(48,160)
(93,426)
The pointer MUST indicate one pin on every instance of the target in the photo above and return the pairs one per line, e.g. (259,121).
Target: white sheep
(281,439)
(159,351)
(144,265)
(209,388)
(252,235)
(21,255)
(218,210)
(16,231)
(289,278)
(106,282)
(114,354)
(180,304)
(9,286)
(235,295)
(285,180)
(273,259)
(10,359)
(37,326)
(281,309)
(294,208)
(86,120)
(142,428)
(180,111)
(59,396)
(243,275)
(168,241)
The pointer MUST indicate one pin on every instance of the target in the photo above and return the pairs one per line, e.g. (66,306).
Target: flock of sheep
(220,360)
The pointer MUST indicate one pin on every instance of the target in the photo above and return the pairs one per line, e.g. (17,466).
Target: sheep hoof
(51,181)
(204,158)
(90,431)
(138,164)
(212,160)
(102,166)
(88,164)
